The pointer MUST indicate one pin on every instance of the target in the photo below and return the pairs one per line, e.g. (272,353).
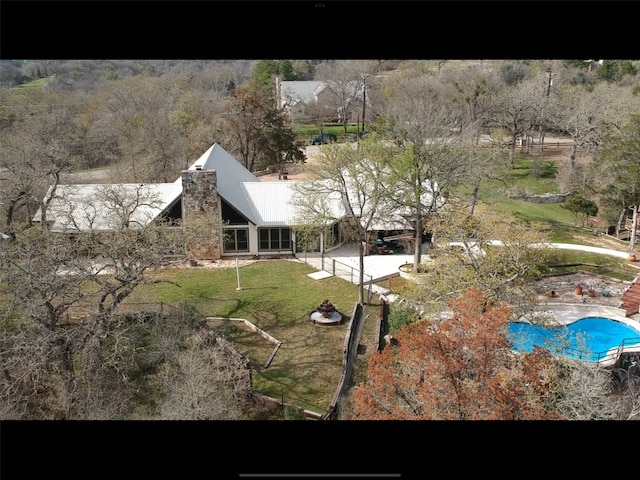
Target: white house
(294,96)
(257,218)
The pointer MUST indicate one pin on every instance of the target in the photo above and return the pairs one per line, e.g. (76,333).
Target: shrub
(543,169)
(401,316)
(581,208)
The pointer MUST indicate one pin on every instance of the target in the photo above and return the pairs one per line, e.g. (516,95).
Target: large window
(231,216)
(236,240)
(275,239)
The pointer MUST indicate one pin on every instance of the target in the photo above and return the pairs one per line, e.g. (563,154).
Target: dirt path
(296,171)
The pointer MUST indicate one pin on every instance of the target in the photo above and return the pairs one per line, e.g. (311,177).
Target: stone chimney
(201,218)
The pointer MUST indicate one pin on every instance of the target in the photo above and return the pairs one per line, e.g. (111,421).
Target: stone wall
(201,215)
(546,198)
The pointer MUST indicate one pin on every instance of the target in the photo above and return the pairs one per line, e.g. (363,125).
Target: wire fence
(338,269)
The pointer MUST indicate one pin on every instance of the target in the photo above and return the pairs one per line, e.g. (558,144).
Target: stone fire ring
(318,318)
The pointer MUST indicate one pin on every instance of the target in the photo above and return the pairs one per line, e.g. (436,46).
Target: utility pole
(549,82)
(364,99)
(546,102)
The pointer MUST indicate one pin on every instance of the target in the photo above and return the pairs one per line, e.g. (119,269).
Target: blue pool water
(586,339)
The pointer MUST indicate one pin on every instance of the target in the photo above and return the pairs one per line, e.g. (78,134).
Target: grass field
(277,296)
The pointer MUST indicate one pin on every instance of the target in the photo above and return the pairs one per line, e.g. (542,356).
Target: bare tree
(319,114)
(616,173)
(207,380)
(357,177)
(434,160)
(36,369)
(471,90)
(491,252)
(144,116)
(101,255)
(513,112)
(37,145)
(586,392)
(37,279)
(486,163)
(346,79)
(588,115)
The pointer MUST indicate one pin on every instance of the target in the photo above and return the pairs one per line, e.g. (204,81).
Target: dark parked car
(354,136)
(323,138)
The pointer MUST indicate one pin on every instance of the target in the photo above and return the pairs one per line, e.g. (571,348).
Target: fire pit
(326,314)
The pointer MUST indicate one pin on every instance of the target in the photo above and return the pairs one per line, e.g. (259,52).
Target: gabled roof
(273,203)
(96,206)
(107,206)
(230,174)
(278,210)
(294,92)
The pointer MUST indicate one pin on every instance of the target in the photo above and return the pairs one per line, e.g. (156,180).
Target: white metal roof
(294,92)
(231,174)
(272,202)
(94,206)
(100,206)
(107,206)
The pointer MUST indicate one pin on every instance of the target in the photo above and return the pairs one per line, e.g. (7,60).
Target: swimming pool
(586,339)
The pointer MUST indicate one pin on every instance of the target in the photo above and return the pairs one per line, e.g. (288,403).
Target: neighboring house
(294,96)
(257,218)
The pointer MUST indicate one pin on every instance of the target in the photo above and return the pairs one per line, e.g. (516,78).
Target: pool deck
(379,267)
(566,313)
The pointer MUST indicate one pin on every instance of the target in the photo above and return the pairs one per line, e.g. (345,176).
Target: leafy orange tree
(460,368)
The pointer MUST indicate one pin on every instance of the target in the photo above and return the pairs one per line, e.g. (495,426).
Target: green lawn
(559,222)
(305,132)
(277,296)
(563,262)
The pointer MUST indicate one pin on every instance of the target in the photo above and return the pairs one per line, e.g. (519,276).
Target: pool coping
(566,313)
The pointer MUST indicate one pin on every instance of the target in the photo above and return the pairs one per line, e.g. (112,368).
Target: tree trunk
(512,152)
(634,221)
(542,135)
(572,156)
(620,221)
(474,198)
(10,209)
(417,254)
